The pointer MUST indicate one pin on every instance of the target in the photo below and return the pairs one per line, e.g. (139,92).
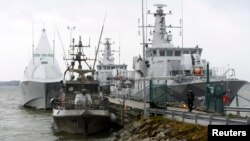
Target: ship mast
(107,53)
(96,53)
(77,55)
(54,42)
(33,42)
(143,33)
(70,36)
(182,24)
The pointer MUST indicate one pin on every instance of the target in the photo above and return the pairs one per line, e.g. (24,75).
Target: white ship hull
(38,94)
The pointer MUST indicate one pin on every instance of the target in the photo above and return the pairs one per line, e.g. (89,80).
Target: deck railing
(200,118)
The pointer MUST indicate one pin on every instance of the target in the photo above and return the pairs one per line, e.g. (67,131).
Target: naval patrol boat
(81,108)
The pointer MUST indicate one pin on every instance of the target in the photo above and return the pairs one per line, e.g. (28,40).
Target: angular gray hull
(178,92)
(38,94)
(81,121)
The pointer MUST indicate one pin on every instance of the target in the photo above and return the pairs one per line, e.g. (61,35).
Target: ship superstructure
(109,73)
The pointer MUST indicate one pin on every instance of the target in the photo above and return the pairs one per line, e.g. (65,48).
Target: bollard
(248,121)
(227,120)
(172,115)
(183,118)
(238,113)
(196,118)
(210,119)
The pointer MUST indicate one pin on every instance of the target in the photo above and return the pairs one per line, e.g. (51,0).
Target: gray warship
(80,108)
(179,68)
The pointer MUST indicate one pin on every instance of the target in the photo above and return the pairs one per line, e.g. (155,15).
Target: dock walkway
(182,114)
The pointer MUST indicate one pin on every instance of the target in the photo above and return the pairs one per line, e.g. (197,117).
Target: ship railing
(237,109)
(240,108)
(69,103)
(223,72)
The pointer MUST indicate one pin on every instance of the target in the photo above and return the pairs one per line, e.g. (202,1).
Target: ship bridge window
(154,52)
(113,67)
(162,52)
(50,55)
(37,55)
(43,55)
(44,62)
(193,52)
(177,53)
(169,53)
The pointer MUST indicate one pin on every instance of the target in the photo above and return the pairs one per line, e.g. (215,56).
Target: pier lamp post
(144,57)
(207,89)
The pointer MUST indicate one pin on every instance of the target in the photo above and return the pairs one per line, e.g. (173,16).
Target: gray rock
(134,128)
(117,135)
(145,128)
(114,139)
(161,135)
(144,135)
(146,139)
(174,139)
(167,126)
(153,133)
(154,139)
(166,131)
(130,139)
(161,126)
(154,126)
(137,124)
(125,135)
(148,121)
(135,137)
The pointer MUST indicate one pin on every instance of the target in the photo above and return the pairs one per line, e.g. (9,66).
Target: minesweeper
(179,68)
(41,80)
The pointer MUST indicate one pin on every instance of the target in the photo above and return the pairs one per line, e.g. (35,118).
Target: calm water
(25,124)
(243,98)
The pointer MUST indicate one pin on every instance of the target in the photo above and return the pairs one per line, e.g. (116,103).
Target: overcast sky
(221,28)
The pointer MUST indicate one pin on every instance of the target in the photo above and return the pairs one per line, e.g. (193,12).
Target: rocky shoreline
(161,129)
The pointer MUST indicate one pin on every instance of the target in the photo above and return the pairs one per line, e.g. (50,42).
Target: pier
(129,110)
